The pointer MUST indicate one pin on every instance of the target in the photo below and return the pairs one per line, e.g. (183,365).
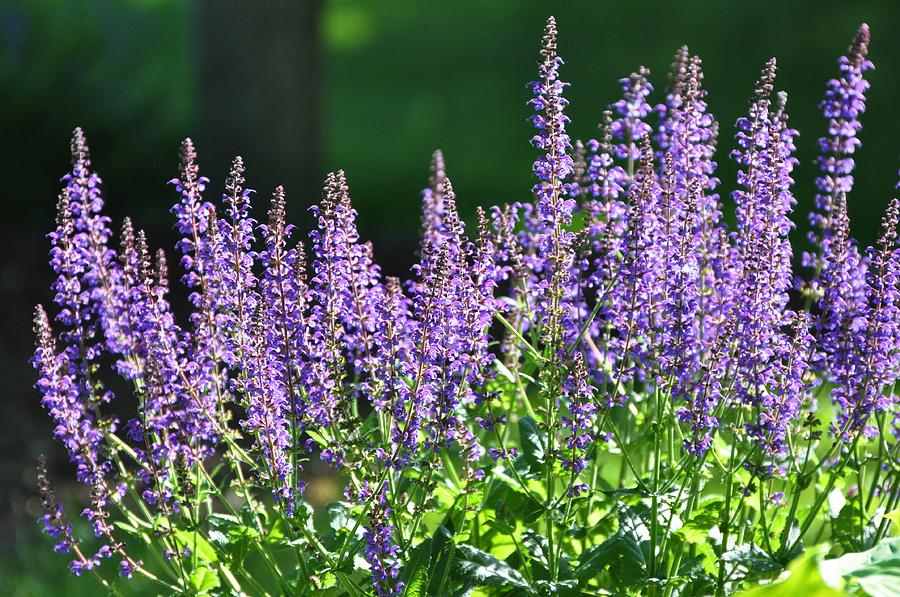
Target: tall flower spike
(554,207)
(457,328)
(204,381)
(132,251)
(633,303)
(191,213)
(763,260)
(844,103)
(632,110)
(267,409)
(604,210)
(283,316)
(342,294)
(381,553)
(66,397)
(678,73)
(433,202)
(862,373)
(57,527)
(235,295)
(579,422)
(101,273)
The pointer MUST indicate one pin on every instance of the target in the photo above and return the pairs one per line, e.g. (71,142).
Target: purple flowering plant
(608,388)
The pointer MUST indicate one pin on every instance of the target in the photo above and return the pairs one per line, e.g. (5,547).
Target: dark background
(301,86)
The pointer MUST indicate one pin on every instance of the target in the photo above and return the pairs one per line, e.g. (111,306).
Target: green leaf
(894,517)
(339,517)
(846,527)
(482,569)
(415,571)
(625,550)
(750,562)
(417,585)
(876,571)
(696,530)
(441,560)
(532,441)
(231,535)
(196,543)
(203,580)
(539,550)
(592,561)
(804,580)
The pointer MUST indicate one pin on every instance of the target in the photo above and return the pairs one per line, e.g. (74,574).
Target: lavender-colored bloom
(700,403)
(554,205)
(386,388)
(433,204)
(381,552)
(763,263)
(844,103)
(53,520)
(579,422)
(100,273)
(633,301)
(691,136)
(630,126)
(233,283)
(453,309)
(678,331)
(66,396)
(602,189)
(273,395)
(196,359)
(779,408)
(176,407)
(192,220)
(843,305)
(425,329)
(862,374)
(267,406)
(342,312)
(667,111)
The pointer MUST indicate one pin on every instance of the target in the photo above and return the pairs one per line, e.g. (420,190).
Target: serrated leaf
(482,569)
(876,571)
(531,441)
(415,570)
(626,550)
(417,585)
(442,552)
(696,530)
(750,562)
(539,549)
(592,561)
(196,543)
(203,580)
(846,527)
(804,580)
(339,518)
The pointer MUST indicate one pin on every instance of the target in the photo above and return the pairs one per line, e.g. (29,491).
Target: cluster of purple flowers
(296,353)
(654,295)
(683,303)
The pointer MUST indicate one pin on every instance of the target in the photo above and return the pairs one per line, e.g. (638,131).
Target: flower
(844,103)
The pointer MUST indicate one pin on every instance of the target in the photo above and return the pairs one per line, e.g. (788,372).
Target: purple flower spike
(844,103)
(554,206)
(630,127)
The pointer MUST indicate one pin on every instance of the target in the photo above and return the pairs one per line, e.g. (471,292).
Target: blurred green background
(301,86)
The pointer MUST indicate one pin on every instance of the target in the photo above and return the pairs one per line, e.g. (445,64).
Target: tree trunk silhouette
(259,83)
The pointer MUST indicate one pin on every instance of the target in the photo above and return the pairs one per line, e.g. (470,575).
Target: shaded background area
(302,86)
